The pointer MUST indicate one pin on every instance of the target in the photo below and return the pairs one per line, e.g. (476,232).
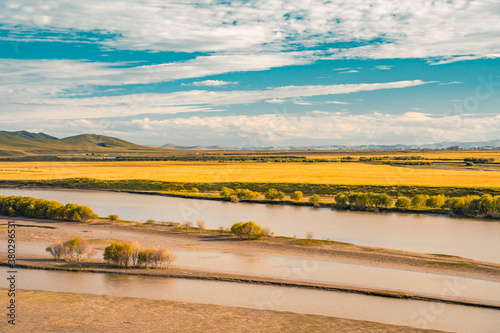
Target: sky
(253,73)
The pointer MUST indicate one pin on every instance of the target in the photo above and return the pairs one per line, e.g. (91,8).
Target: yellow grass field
(458,155)
(326,173)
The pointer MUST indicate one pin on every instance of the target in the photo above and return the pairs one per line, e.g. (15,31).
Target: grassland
(214,172)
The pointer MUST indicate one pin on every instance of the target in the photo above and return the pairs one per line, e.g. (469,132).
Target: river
(453,318)
(469,238)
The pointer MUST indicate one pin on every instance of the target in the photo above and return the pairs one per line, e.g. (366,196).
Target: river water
(324,270)
(470,238)
(452,318)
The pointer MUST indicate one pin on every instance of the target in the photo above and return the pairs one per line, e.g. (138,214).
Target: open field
(314,173)
(428,154)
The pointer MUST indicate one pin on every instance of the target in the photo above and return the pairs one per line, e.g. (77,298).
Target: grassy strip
(288,188)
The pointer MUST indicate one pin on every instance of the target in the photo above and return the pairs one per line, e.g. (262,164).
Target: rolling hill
(30,136)
(24,143)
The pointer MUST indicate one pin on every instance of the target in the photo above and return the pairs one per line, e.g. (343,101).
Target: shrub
(234,198)
(246,194)
(419,201)
(248,230)
(341,200)
(271,194)
(77,248)
(188,224)
(72,249)
(309,235)
(403,203)
(156,258)
(222,229)
(57,250)
(315,199)
(297,196)
(435,201)
(136,250)
(281,195)
(380,200)
(113,217)
(226,192)
(201,224)
(119,253)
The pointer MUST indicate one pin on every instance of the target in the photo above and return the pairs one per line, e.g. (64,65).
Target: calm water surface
(468,238)
(446,317)
(324,270)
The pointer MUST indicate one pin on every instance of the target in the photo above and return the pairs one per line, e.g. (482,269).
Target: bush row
(45,209)
(73,249)
(469,206)
(125,254)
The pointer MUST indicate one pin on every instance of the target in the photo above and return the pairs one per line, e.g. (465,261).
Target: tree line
(468,206)
(44,209)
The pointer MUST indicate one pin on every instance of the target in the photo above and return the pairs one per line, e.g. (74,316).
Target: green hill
(30,136)
(101,141)
(23,143)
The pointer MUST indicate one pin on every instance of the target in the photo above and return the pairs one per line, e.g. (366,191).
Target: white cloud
(448,83)
(350,71)
(276,101)
(183,101)
(209,83)
(383,67)
(284,129)
(414,29)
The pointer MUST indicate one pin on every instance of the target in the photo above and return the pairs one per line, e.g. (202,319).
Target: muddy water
(324,270)
(468,238)
(446,317)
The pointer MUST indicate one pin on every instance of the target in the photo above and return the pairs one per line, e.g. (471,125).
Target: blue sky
(253,73)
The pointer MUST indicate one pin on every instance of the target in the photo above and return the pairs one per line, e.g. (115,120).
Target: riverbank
(44,311)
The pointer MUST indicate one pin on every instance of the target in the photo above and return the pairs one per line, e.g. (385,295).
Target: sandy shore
(43,311)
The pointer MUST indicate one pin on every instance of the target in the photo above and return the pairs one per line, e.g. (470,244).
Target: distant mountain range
(21,143)
(173,146)
(440,145)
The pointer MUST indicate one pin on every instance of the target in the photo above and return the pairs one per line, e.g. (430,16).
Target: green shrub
(296,196)
(119,253)
(315,199)
(113,217)
(248,230)
(403,203)
(435,201)
(419,201)
(271,194)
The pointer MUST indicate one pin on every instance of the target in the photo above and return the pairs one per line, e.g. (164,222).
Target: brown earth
(42,311)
